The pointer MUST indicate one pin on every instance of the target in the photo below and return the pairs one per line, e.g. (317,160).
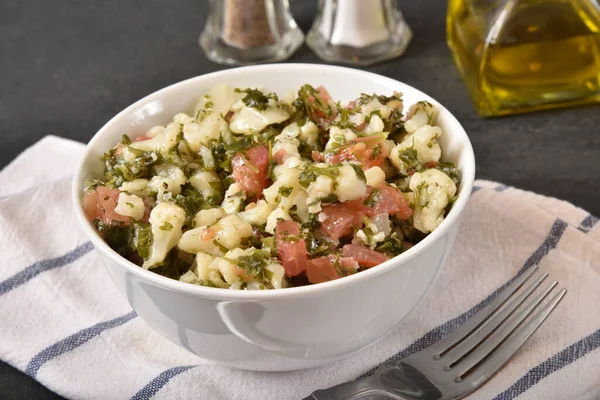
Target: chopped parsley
(450,169)
(359,172)
(254,98)
(310,173)
(166,226)
(372,199)
(285,191)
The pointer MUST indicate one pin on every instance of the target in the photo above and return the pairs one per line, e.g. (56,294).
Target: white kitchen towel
(64,323)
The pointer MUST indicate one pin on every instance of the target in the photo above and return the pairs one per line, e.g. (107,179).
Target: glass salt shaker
(240,32)
(359,32)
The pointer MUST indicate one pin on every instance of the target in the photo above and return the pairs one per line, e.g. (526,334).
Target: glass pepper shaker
(358,32)
(240,32)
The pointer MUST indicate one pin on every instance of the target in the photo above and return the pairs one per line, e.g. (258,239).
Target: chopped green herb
(125,140)
(372,199)
(330,198)
(359,172)
(130,205)
(254,98)
(220,246)
(285,191)
(142,240)
(166,226)
(317,247)
(450,169)
(310,172)
(391,245)
(312,224)
(254,264)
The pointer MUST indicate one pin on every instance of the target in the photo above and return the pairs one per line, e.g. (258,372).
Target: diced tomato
(317,115)
(291,250)
(363,255)
(341,219)
(250,170)
(367,156)
(100,204)
(317,157)
(322,269)
(430,164)
(279,156)
(390,200)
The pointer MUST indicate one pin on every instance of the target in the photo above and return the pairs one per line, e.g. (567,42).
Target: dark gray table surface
(67,67)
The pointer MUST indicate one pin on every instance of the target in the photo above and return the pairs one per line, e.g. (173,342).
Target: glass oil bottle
(526,55)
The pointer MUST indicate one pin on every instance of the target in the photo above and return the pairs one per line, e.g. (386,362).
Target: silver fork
(467,358)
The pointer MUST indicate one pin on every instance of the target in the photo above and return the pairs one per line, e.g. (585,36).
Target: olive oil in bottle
(526,55)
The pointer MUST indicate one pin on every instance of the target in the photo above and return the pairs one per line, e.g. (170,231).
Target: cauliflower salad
(257,191)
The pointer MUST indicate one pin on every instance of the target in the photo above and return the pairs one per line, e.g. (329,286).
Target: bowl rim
(468,177)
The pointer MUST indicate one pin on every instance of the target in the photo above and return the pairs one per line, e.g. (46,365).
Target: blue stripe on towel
(588,223)
(161,380)
(433,336)
(37,268)
(74,341)
(551,365)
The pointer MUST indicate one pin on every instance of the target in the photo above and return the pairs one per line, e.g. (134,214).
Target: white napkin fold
(64,323)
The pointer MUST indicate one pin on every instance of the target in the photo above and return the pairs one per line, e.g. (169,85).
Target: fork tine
(498,337)
(474,322)
(493,323)
(488,367)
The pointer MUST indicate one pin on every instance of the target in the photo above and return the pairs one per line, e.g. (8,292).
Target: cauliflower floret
(319,188)
(286,187)
(208,217)
(375,176)
(206,182)
(373,238)
(167,182)
(274,217)
(227,233)
(375,105)
(419,114)
(230,272)
(162,142)
(288,145)
(210,125)
(424,142)
(234,199)
(129,205)
(309,133)
(183,118)
(357,119)
(339,137)
(256,214)
(278,273)
(166,220)
(433,191)
(349,185)
(155,130)
(249,120)
(207,158)
(201,266)
(286,171)
(375,125)
(290,132)
(137,187)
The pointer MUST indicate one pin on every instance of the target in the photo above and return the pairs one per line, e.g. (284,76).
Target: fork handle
(352,390)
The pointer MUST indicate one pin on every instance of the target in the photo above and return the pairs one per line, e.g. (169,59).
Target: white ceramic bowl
(284,329)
